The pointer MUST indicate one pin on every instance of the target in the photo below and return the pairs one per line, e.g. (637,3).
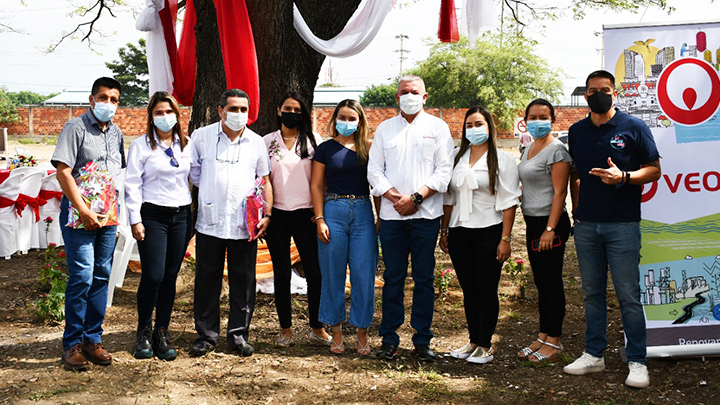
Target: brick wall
(40,120)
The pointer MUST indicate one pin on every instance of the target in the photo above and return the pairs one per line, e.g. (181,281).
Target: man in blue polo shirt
(615,155)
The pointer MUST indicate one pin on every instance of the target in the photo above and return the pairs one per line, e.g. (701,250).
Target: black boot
(161,345)
(143,343)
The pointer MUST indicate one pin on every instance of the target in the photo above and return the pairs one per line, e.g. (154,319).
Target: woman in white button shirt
(158,201)
(479,210)
(291,149)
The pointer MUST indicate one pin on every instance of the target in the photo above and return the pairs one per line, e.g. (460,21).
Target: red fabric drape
(448,29)
(49,195)
(34,203)
(6,202)
(238,49)
(185,63)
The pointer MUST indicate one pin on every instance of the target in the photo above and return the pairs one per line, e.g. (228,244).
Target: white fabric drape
(480,15)
(158,60)
(356,35)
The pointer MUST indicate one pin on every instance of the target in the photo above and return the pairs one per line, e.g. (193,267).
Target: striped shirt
(82,141)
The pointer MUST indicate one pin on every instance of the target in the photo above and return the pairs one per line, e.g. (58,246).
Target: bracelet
(443,231)
(317,218)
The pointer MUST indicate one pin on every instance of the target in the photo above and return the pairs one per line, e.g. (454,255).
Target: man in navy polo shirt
(615,155)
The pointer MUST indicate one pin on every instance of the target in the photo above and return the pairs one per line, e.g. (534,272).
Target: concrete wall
(49,121)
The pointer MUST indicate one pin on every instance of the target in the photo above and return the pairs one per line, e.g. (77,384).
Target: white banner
(668,77)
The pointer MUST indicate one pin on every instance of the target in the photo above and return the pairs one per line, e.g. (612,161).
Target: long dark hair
(156,98)
(305,133)
(492,155)
(361,136)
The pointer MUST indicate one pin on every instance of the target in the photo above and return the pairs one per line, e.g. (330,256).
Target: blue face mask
(539,128)
(165,123)
(346,128)
(476,135)
(104,112)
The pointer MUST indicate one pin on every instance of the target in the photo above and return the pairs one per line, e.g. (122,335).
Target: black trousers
(161,254)
(473,252)
(547,273)
(297,224)
(241,258)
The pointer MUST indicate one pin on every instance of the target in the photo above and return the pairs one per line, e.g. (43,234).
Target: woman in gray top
(544,172)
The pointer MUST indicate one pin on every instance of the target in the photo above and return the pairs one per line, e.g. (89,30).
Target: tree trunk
(210,75)
(285,61)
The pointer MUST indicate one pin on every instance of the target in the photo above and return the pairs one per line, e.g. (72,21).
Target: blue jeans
(617,245)
(89,260)
(353,242)
(400,238)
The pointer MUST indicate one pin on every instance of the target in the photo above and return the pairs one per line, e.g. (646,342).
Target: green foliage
(329,84)
(502,78)
(515,269)
(382,95)
(29,97)
(132,73)
(51,305)
(8,112)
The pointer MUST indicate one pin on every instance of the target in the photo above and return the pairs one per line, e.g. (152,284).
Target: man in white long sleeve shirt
(226,158)
(410,165)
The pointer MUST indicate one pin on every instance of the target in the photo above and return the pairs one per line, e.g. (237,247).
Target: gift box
(254,206)
(97,189)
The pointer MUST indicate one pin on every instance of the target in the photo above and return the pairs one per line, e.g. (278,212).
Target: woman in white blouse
(158,199)
(479,210)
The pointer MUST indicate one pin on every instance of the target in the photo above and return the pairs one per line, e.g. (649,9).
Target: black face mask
(600,102)
(290,119)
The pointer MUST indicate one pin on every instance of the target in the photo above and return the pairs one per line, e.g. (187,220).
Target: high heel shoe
(337,348)
(527,351)
(538,358)
(363,349)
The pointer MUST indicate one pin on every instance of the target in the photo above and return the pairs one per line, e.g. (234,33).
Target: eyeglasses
(236,155)
(173,161)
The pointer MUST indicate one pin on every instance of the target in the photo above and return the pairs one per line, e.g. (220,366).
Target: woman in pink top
(291,149)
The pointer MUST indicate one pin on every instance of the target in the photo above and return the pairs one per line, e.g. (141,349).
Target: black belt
(333,196)
(162,208)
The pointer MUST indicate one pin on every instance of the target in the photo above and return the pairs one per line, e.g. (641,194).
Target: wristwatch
(417,198)
(550,229)
(267,216)
(506,239)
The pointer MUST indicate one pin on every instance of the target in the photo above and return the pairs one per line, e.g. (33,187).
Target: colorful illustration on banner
(652,86)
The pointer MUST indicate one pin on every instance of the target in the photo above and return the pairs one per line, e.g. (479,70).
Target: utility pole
(402,51)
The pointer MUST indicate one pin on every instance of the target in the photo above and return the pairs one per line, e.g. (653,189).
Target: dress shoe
(161,345)
(387,352)
(425,353)
(244,349)
(73,358)
(143,343)
(95,353)
(201,348)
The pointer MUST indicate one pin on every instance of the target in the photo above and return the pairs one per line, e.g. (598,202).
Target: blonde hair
(361,135)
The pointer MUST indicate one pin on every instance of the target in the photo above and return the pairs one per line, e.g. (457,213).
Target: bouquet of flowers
(254,206)
(98,192)
(21,161)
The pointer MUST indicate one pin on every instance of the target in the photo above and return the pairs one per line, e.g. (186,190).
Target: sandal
(363,349)
(538,358)
(337,348)
(527,351)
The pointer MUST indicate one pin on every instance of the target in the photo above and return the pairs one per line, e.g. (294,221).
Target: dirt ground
(31,372)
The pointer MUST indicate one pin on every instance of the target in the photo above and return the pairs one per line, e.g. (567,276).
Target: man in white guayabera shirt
(410,166)
(226,158)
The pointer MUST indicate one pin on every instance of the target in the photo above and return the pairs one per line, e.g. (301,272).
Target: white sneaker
(638,376)
(585,364)
(480,356)
(463,352)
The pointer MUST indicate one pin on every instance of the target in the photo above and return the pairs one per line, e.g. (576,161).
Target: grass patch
(50,140)
(47,394)
(26,141)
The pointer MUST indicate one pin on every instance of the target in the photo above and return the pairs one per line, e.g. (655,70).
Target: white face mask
(236,121)
(165,123)
(410,103)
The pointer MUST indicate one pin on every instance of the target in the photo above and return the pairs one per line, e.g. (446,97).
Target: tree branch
(101,6)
